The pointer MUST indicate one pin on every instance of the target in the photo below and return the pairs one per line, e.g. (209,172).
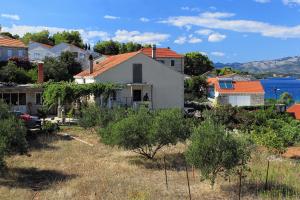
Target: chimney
(154,51)
(40,72)
(91,64)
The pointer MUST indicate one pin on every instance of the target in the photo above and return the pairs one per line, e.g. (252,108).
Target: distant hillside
(288,65)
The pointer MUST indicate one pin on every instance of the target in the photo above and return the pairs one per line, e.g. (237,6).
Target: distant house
(166,56)
(12,48)
(38,52)
(25,98)
(295,111)
(226,91)
(144,81)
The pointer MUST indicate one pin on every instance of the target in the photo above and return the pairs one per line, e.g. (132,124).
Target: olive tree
(216,152)
(146,132)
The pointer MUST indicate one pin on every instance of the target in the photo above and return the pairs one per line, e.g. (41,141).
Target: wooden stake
(166,172)
(240,184)
(193,169)
(267,175)
(188,181)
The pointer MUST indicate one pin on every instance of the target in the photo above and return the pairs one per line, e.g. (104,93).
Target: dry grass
(62,168)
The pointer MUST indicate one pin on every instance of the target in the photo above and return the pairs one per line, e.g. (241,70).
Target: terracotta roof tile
(294,109)
(106,64)
(9,42)
(238,86)
(161,53)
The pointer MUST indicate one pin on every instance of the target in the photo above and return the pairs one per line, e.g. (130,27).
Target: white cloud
(262,1)
(193,9)
(180,40)
(291,2)
(144,19)
(217,21)
(10,16)
(86,35)
(111,17)
(216,37)
(190,39)
(195,40)
(217,15)
(185,8)
(204,32)
(143,38)
(218,53)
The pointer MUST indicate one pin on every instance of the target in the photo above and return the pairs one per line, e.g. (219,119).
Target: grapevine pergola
(68,92)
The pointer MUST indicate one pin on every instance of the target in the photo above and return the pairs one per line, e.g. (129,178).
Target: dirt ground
(60,167)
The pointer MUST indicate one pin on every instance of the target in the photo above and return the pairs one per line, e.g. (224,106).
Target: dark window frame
(137,73)
(172,63)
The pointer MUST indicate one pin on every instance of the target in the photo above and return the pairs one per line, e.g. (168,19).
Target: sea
(274,87)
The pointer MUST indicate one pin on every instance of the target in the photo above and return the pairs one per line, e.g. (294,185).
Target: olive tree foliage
(286,99)
(12,134)
(214,151)
(146,132)
(196,88)
(197,64)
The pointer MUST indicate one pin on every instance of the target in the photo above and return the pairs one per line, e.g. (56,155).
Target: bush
(49,127)
(146,132)
(94,116)
(215,151)
(12,134)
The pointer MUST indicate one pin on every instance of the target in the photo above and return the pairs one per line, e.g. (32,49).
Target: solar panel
(226,84)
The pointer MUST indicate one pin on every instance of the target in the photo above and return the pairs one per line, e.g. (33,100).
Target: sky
(225,30)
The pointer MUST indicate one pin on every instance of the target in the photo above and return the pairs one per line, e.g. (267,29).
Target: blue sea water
(274,87)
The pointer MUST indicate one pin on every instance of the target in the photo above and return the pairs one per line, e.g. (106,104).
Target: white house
(38,51)
(144,80)
(166,56)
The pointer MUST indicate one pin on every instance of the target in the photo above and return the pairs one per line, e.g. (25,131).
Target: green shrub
(49,127)
(94,116)
(146,132)
(12,134)
(214,151)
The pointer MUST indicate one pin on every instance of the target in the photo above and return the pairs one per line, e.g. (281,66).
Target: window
(172,63)
(161,61)
(14,98)
(137,73)
(36,55)
(137,95)
(20,53)
(81,56)
(75,54)
(38,98)
(9,53)
(22,99)
(6,98)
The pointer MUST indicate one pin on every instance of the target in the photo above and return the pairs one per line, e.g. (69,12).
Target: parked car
(30,122)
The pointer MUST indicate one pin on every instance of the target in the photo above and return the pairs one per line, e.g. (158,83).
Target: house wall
(39,53)
(15,53)
(167,84)
(255,99)
(30,106)
(179,63)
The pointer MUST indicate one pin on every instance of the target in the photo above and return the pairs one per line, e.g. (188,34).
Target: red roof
(238,86)
(294,109)
(161,53)
(107,64)
(45,45)
(9,42)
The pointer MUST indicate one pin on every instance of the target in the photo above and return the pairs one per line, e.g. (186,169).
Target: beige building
(144,81)
(224,91)
(10,48)
(24,98)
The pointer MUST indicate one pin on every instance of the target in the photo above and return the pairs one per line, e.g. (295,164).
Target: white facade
(164,86)
(174,63)
(38,51)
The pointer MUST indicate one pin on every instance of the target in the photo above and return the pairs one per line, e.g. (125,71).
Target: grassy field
(60,167)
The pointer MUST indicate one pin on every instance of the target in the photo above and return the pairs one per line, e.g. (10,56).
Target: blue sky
(226,30)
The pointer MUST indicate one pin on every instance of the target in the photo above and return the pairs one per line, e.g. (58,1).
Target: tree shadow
(32,178)
(174,161)
(273,189)
(44,141)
